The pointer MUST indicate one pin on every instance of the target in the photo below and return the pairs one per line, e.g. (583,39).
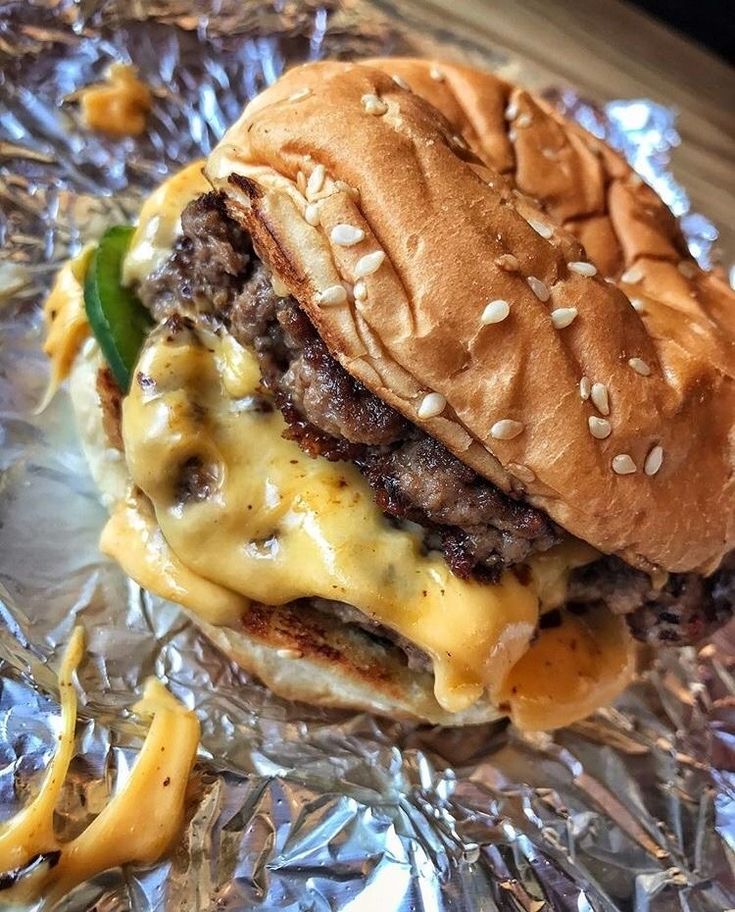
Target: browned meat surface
(297,367)
(214,272)
(207,266)
(477,524)
(687,609)
(416,658)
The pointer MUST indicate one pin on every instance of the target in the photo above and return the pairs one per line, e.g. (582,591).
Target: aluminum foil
(296,808)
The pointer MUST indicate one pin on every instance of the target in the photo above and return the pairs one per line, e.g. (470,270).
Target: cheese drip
(66,320)
(139,823)
(245,509)
(570,670)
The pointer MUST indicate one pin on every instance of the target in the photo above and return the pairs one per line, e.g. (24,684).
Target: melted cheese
(571,670)
(134,539)
(159,223)
(138,824)
(66,319)
(277,526)
(118,106)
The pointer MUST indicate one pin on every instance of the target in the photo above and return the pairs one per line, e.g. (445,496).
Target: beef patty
(214,273)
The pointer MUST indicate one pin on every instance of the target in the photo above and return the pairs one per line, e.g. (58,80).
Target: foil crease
(297,808)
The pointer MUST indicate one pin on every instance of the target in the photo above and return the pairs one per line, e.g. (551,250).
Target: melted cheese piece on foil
(119,106)
(247,510)
(139,823)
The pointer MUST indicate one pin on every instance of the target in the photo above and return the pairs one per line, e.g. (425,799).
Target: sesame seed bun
(383,170)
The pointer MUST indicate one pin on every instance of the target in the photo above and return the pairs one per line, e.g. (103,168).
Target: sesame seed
(687,269)
(582,268)
(360,290)
(335,294)
(600,398)
(550,154)
(654,460)
(508,262)
(522,472)
(89,346)
(538,288)
(301,181)
(511,111)
(316,180)
(599,427)
(623,464)
(563,316)
(437,74)
(286,653)
(524,120)
(546,231)
(311,214)
(506,429)
(346,188)
(401,82)
(632,275)
(300,95)
(460,141)
(369,263)
(512,134)
(638,305)
(278,287)
(495,312)
(433,404)
(374,105)
(346,235)
(585,388)
(640,366)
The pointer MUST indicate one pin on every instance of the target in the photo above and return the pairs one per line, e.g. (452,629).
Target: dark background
(710,22)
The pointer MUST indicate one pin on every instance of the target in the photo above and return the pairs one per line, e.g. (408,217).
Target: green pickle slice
(119,321)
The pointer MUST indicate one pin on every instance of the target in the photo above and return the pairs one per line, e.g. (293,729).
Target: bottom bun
(298,652)
(302,654)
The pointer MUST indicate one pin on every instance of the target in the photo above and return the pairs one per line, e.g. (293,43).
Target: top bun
(578,180)
(338,161)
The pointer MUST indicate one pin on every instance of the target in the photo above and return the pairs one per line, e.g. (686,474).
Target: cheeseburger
(413,398)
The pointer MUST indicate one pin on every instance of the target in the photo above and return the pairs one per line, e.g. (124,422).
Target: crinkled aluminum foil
(298,808)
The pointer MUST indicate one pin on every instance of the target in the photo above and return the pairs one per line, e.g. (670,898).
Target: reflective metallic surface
(293,807)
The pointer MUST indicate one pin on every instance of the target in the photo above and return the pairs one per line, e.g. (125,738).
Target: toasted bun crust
(298,654)
(452,231)
(578,180)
